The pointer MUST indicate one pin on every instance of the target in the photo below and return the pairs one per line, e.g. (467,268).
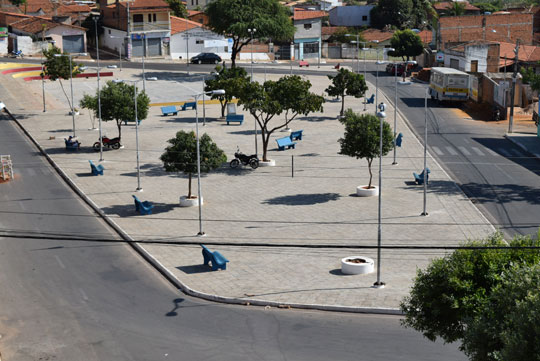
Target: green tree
(489,6)
(233,18)
(17,3)
(456,9)
(57,68)
(422,13)
(448,296)
(178,8)
(89,102)
(406,43)
(232,80)
(265,101)
(294,96)
(181,155)
(391,12)
(347,35)
(345,82)
(507,327)
(362,138)
(118,103)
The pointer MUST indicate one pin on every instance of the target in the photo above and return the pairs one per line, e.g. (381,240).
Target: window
(154,16)
(199,41)
(149,18)
(138,18)
(364,17)
(307,26)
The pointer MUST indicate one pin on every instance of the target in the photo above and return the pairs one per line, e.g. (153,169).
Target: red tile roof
(8,18)
(36,24)
(330,30)
(145,4)
(449,4)
(375,34)
(526,53)
(179,25)
(302,14)
(426,36)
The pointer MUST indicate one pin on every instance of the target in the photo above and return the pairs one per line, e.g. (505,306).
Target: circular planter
(364,191)
(356,265)
(76,112)
(190,202)
(268,163)
(286,130)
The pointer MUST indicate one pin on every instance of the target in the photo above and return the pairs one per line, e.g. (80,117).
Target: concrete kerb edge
(406,121)
(173,279)
(521,146)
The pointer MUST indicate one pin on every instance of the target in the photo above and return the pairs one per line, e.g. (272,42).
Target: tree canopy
(391,12)
(345,82)
(459,297)
(232,80)
(178,8)
(362,137)
(406,43)
(118,103)
(181,155)
(233,18)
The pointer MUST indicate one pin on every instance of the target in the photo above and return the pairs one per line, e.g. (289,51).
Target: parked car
(390,68)
(206,58)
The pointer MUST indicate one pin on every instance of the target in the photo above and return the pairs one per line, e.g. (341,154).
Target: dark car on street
(206,58)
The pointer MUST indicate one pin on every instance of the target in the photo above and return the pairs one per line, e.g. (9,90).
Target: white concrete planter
(268,163)
(363,265)
(364,191)
(286,130)
(76,112)
(190,202)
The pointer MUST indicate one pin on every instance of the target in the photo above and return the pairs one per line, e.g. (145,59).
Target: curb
(172,278)
(521,146)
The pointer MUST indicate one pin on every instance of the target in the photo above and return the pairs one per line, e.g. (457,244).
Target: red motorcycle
(113,143)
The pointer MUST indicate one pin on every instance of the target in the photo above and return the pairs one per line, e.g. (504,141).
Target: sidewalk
(250,215)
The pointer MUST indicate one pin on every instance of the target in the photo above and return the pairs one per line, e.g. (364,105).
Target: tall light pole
(199,191)
(377,78)
(513,90)
(381,115)
(364,49)
(119,47)
(251,31)
(357,50)
(70,56)
(425,213)
(395,101)
(43,75)
(99,107)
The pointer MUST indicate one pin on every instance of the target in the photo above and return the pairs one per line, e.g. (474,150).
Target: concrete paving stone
(265,206)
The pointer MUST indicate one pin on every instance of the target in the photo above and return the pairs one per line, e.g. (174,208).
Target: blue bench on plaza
(171,109)
(399,140)
(296,135)
(285,142)
(96,169)
(192,105)
(238,118)
(371,100)
(142,207)
(72,144)
(419,178)
(217,259)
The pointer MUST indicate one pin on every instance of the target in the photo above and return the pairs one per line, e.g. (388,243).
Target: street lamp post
(357,50)
(381,115)
(251,31)
(199,191)
(425,213)
(377,77)
(70,56)
(364,49)
(99,108)
(43,75)
(395,102)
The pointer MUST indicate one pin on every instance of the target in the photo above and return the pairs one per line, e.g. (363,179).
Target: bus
(448,84)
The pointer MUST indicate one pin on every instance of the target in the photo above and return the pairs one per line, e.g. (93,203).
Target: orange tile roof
(302,14)
(8,18)
(75,8)
(449,4)
(426,36)
(145,4)
(375,34)
(179,25)
(34,25)
(193,12)
(526,53)
(330,30)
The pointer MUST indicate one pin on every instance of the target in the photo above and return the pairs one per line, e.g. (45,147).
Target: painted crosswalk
(476,151)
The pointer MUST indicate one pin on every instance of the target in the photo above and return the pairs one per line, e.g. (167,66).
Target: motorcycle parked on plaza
(16,54)
(239,157)
(113,143)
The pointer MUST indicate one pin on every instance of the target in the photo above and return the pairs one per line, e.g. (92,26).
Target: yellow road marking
(15,65)
(26,73)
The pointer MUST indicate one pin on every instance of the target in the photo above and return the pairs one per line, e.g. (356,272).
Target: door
(137,48)
(73,43)
(154,46)
(474,66)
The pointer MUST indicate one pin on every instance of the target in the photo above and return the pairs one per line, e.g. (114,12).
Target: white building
(189,38)
(351,15)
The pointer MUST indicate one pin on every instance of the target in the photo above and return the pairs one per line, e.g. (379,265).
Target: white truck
(448,84)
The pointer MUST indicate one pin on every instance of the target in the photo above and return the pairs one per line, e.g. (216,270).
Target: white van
(448,84)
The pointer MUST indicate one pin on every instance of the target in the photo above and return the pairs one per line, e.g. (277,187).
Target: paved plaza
(283,228)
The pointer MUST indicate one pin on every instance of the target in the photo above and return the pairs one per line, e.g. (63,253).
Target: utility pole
(128,52)
(513,90)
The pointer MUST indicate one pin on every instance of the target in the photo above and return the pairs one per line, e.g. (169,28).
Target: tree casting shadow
(303,199)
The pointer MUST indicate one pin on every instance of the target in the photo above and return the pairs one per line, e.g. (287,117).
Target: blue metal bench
(296,135)
(285,142)
(169,110)
(399,139)
(132,120)
(72,144)
(238,118)
(192,105)
(419,178)
(371,100)
(218,261)
(143,207)
(96,170)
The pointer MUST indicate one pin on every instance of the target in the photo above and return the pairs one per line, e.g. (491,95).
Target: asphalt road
(71,292)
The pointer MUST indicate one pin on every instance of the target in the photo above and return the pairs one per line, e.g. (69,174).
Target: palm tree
(457,8)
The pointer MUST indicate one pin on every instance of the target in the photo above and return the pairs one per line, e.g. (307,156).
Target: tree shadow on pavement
(303,199)
(243,132)
(317,118)
(128,210)
(196,268)
(495,144)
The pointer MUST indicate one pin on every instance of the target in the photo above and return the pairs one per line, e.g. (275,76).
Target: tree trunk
(233,56)
(119,125)
(265,139)
(369,161)
(342,104)
(189,186)
(223,106)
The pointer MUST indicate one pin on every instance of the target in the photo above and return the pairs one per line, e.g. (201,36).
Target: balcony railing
(153,26)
